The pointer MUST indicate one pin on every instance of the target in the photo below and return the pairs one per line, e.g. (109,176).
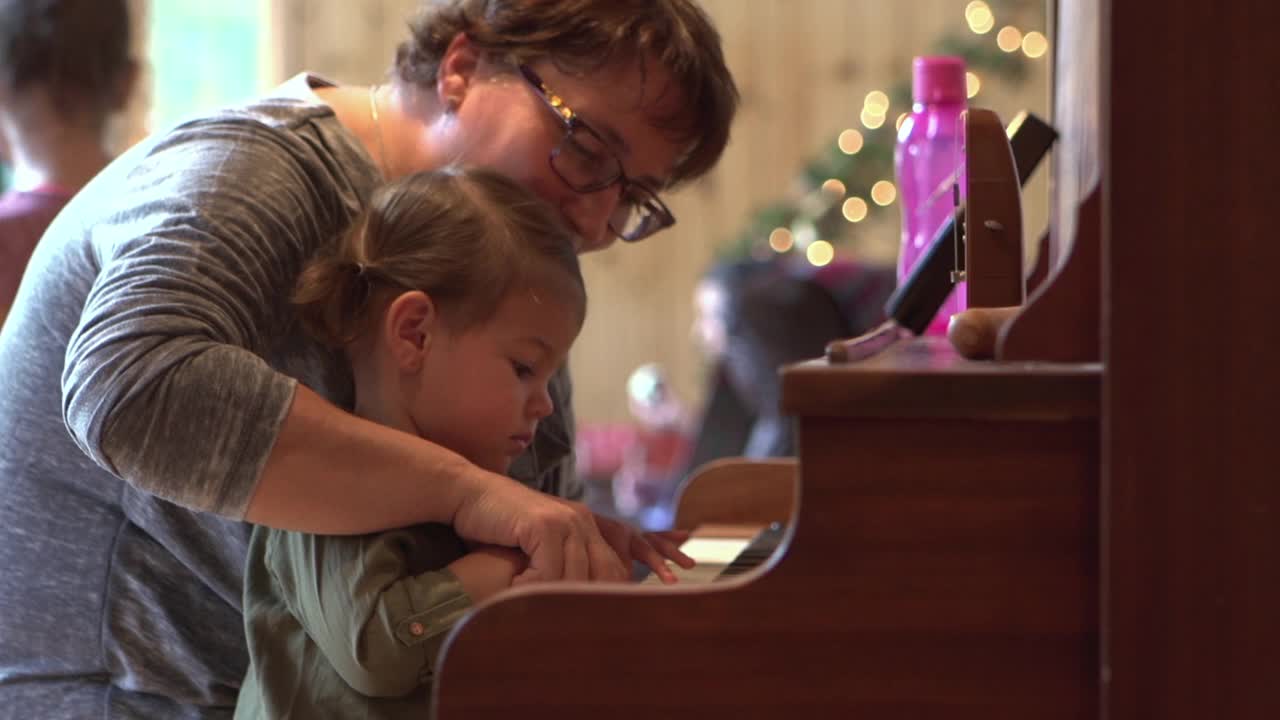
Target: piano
(950,571)
(1020,538)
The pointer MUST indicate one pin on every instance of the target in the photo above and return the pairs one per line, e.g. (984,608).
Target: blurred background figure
(751,318)
(65,69)
(644,485)
(632,469)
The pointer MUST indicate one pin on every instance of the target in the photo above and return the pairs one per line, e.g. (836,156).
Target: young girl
(455,298)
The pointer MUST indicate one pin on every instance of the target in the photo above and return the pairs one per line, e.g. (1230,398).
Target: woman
(156,327)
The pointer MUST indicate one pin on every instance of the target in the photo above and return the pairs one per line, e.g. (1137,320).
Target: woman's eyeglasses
(586,163)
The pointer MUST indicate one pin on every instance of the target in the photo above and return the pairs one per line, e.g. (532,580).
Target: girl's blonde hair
(466,237)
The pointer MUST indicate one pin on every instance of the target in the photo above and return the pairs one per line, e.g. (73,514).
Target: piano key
(713,555)
(719,558)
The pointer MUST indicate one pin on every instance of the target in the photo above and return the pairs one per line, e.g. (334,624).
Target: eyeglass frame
(574,123)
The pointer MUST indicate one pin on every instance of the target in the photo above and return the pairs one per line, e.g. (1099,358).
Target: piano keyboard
(721,557)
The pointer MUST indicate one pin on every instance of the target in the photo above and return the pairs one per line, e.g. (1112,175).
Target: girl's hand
(488,569)
(650,548)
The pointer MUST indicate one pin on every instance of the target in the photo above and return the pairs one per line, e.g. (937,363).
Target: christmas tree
(851,177)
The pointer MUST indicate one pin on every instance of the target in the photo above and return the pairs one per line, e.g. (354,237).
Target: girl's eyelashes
(522,370)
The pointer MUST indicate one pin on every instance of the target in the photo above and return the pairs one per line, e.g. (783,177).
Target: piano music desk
(942,564)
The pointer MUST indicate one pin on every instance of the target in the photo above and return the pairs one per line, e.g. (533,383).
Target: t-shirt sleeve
(358,598)
(165,384)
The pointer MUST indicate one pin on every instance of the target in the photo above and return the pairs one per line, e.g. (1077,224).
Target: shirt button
(416,629)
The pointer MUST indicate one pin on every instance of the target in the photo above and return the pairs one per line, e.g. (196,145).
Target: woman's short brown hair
(586,35)
(465,237)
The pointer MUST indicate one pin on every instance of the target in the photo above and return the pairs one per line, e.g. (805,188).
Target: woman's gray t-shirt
(153,324)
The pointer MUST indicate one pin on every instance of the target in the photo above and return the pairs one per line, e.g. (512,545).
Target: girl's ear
(408,326)
(457,70)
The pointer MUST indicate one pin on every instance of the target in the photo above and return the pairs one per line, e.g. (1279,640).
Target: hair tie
(363,284)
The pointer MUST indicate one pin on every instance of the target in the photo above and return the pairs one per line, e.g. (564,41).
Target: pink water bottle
(927,163)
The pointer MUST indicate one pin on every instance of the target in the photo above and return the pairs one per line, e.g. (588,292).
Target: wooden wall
(803,66)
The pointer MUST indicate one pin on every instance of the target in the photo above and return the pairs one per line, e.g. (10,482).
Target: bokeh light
(978,15)
(833,188)
(854,209)
(877,102)
(1009,39)
(884,193)
(780,240)
(820,253)
(1035,44)
(850,142)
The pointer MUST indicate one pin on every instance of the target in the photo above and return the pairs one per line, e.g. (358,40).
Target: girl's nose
(540,404)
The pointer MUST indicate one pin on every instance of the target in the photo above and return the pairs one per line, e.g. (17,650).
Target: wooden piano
(1015,539)
(949,571)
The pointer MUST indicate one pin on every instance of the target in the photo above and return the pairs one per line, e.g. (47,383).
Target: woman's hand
(562,539)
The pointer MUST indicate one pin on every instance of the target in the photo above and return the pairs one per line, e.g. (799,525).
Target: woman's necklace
(377,127)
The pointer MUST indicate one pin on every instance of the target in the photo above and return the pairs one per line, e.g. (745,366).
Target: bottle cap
(938,79)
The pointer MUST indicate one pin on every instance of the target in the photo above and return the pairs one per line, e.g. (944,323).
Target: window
(205,55)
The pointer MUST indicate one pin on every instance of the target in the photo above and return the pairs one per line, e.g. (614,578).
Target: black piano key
(759,550)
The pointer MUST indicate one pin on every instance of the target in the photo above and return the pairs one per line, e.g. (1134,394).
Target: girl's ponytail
(332,293)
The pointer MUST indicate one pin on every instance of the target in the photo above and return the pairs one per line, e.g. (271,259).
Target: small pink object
(928,161)
(938,79)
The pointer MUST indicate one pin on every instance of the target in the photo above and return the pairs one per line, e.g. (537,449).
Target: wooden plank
(924,377)
(730,490)
(1192,577)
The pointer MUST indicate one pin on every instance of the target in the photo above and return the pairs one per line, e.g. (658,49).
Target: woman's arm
(197,240)
(309,481)
(165,383)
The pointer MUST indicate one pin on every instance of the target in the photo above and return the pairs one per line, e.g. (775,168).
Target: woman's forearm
(333,473)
